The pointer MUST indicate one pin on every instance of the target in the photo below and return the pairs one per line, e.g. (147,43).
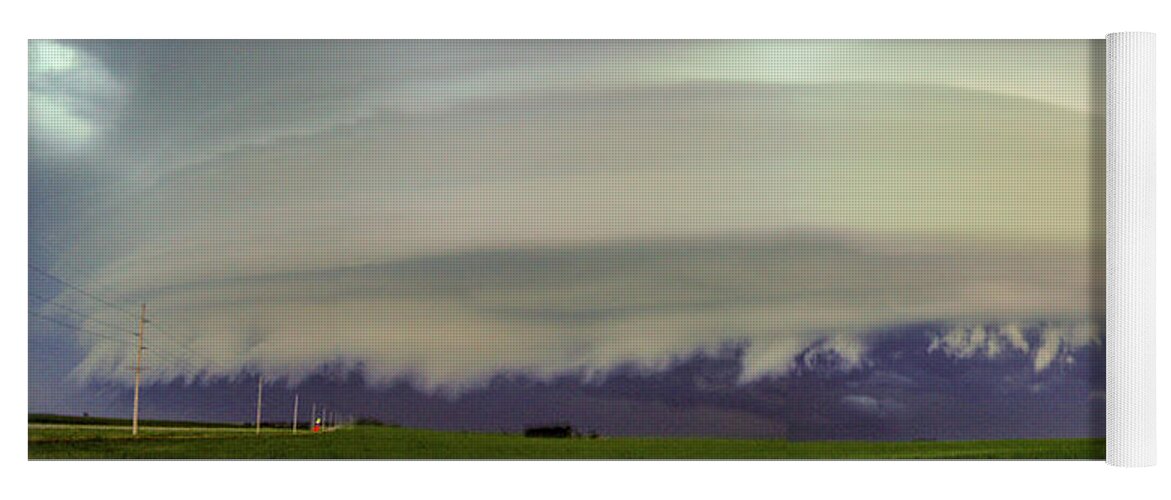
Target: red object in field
(316,428)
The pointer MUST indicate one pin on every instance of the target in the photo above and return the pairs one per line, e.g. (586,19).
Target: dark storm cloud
(904,392)
(442,212)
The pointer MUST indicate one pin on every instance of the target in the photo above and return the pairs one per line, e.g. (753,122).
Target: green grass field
(71,440)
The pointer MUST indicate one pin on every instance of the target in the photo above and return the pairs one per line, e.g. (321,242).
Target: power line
(167,334)
(177,344)
(152,324)
(140,348)
(88,317)
(81,290)
(84,315)
(93,296)
(81,329)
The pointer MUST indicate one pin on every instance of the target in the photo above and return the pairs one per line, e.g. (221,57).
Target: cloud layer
(457,320)
(443,213)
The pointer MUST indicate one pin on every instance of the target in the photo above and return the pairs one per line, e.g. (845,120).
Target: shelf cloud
(446,212)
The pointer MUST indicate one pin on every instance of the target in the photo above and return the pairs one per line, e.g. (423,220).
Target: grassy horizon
(102,441)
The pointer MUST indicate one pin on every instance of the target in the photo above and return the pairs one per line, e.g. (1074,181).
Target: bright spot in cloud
(47,56)
(70,94)
(53,118)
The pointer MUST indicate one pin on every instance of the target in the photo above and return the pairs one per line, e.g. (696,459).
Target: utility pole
(259,399)
(138,369)
(296,401)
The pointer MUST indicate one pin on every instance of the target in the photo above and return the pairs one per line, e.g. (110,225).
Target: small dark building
(550,431)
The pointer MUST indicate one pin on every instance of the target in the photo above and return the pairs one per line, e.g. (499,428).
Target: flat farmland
(187,441)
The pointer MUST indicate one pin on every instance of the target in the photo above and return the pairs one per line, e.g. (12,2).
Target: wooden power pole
(296,402)
(138,369)
(259,399)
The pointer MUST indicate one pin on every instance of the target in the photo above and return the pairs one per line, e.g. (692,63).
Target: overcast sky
(442,212)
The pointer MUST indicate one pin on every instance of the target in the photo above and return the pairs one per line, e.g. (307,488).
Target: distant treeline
(43,418)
